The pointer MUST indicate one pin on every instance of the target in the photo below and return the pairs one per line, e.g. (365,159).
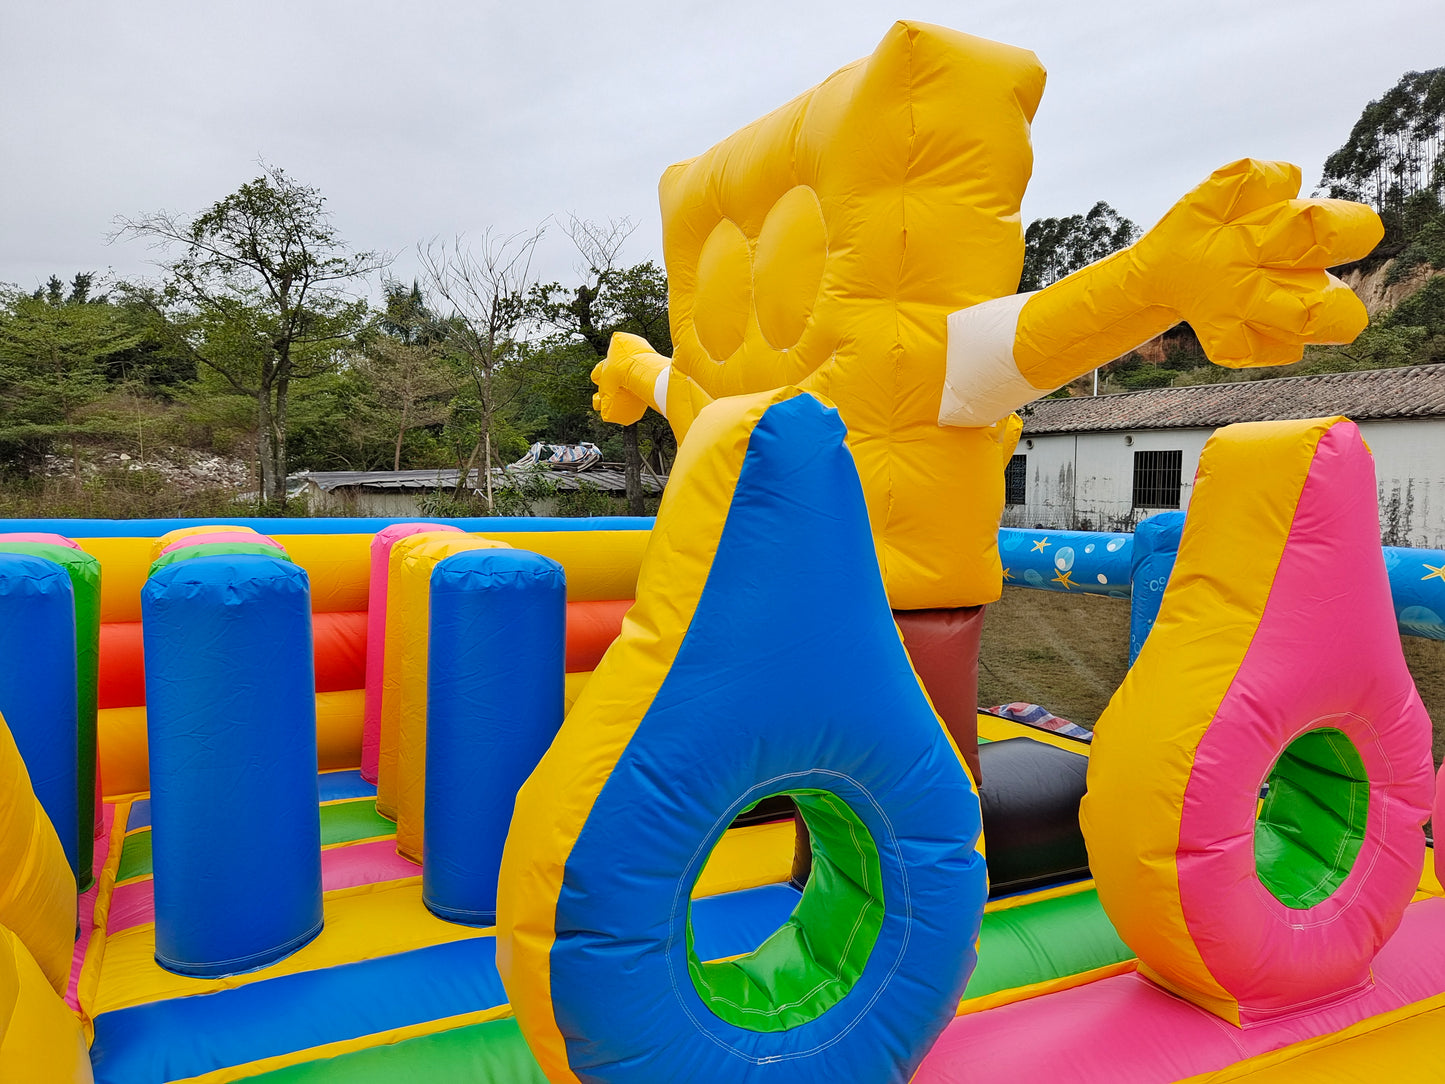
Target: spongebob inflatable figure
(863,242)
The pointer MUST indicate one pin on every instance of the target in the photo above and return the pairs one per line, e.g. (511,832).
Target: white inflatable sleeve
(659,391)
(981,381)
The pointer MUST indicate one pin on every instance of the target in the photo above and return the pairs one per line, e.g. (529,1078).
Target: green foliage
(519,493)
(405,314)
(259,295)
(582,319)
(1055,247)
(1417,324)
(1425,308)
(586,500)
(444,504)
(522,492)
(1182,351)
(53,353)
(1423,232)
(251,346)
(401,387)
(1144,376)
(329,426)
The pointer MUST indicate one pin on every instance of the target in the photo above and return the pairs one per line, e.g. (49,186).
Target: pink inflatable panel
(376,636)
(134,904)
(1126,1030)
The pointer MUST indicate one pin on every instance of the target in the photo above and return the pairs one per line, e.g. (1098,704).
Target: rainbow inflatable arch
(709,799)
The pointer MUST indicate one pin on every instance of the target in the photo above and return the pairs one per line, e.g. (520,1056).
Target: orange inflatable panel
(340,646)
(591,628)
(121,675)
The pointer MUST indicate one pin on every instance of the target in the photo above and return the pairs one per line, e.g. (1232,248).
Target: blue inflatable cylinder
(231,717)
(496,664)
(1156,548)
(38,685)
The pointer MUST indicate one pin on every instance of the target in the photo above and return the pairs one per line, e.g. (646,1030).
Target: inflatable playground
(709,798)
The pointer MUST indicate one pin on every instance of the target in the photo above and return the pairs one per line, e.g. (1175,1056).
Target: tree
(53,292)
(1420,319)
(486,288)
(53,349)
(260,296)
(408,386)
(406,381)
(405,314)
(609,299)
(1055,247)
(1393,156)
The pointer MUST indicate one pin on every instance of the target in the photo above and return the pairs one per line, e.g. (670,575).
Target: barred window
(1015,479)
(1156,479)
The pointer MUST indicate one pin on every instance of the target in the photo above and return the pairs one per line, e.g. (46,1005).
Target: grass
(1070,652)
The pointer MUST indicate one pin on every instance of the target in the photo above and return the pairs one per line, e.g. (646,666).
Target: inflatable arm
(633,377)
(1240,257)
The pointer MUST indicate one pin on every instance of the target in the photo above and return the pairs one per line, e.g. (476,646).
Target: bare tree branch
(486,287)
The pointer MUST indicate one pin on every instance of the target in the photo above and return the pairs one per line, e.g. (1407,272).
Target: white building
(1102,463)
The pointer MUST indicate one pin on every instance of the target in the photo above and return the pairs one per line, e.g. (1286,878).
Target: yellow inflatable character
(864,242)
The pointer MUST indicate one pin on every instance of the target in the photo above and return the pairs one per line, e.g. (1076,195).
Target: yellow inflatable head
(825,245)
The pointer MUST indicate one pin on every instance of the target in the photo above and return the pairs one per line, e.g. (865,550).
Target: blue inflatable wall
(1155,549)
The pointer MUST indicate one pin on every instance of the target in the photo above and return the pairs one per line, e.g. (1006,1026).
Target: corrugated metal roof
(1414,392)
(609,481)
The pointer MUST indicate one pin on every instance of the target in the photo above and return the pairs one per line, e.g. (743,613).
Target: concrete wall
(391,503)
(1410,479)
(1084,482)
(349,501)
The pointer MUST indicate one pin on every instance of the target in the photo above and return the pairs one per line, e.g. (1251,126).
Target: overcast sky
(438,117)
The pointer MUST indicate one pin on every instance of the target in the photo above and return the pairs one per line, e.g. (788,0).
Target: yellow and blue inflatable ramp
(760,659)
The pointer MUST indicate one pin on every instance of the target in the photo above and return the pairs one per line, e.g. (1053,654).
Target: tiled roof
(608,481)
(1414,392)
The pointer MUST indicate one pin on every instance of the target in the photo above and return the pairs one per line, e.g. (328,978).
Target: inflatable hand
(626,379)
(1239,257)
(1243,260)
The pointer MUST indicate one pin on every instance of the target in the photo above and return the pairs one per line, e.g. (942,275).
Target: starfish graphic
(1040,544)
(1434,573)
(1007,575)
(1064,578)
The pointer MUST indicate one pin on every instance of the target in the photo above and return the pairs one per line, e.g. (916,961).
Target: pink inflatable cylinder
(221,535)
(41,537)
(376,637)
(1438,823)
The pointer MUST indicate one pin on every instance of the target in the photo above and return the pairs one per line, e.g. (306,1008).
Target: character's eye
(723,300)
(788,266)
(779,276)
